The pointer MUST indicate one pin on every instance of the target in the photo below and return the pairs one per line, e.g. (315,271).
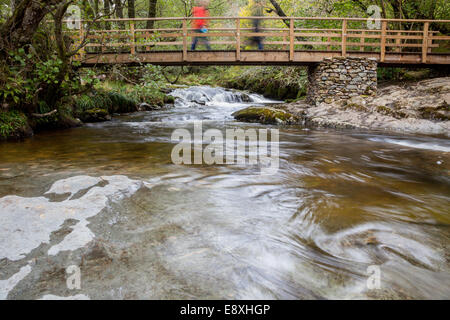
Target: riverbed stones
(340,78)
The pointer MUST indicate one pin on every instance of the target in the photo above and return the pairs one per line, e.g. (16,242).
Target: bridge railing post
(362,41)
(426,27)
(383,41)
(291,39)
(238,39)
(344,38)
(185,34)
(132,38)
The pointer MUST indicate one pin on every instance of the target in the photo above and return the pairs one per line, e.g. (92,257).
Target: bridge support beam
(341,78)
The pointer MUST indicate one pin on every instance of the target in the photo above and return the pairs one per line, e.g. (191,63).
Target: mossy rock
(265,115)
(95,115)
(169,99)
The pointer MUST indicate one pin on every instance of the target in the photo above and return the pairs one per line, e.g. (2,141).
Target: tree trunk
(119,8)
(119,12)
(20,28)
(151,13)
(107,13)
(131,9)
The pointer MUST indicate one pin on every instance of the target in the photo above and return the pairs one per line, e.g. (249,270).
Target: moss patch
(265,116)
(441,113)
(356,107)
(389,112)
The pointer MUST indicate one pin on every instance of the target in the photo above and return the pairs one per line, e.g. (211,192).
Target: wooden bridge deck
(287,40)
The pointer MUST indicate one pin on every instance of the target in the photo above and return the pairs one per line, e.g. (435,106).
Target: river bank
(414,107)
(105,99)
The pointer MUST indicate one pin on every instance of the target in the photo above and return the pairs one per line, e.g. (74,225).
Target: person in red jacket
(200,24)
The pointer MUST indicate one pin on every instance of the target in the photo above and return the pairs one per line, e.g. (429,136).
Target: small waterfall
(205,95)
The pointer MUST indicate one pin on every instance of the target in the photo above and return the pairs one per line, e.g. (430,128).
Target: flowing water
(344,208)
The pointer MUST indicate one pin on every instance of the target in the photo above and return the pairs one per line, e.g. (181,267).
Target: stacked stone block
(342,78)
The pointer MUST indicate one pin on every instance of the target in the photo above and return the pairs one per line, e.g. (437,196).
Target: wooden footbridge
(287,40)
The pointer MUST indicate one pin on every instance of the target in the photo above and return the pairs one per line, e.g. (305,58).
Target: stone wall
(341,78)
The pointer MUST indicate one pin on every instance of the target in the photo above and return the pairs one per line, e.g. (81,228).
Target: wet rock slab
(421,107)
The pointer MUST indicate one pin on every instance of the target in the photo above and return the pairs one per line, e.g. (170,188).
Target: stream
(345,207)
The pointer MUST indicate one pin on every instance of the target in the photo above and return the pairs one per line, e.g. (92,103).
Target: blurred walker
(200,24)
(258,11)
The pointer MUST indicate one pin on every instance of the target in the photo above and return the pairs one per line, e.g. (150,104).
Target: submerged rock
(265,115)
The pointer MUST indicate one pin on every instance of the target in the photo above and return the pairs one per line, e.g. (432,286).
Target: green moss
(169,99)
(13,124)
(356,107)
(389,112)
(265,116)
(440,113)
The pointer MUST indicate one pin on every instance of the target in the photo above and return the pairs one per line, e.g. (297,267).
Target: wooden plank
(281,43)
(409,45)
(440,37)
(164,35)
(362,41)
(398,42)
(113,36)
(133,38)
(263,34)
(167,43)
(402,37)
(383,41)
(238,39)
(223,34)
(316,43)
(291,40)
(367,36)
(255,58)
(335,35)
(426,26)
(344,38)
(185,44)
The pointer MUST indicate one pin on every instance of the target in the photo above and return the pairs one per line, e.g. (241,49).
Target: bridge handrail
(292,36)
(261,18)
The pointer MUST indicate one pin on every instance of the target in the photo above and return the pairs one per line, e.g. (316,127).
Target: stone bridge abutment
(341,78)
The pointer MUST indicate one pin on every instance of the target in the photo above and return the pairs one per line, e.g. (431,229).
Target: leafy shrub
(10,122)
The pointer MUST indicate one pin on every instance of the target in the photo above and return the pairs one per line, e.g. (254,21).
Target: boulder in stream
(265,115)
(95,115)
